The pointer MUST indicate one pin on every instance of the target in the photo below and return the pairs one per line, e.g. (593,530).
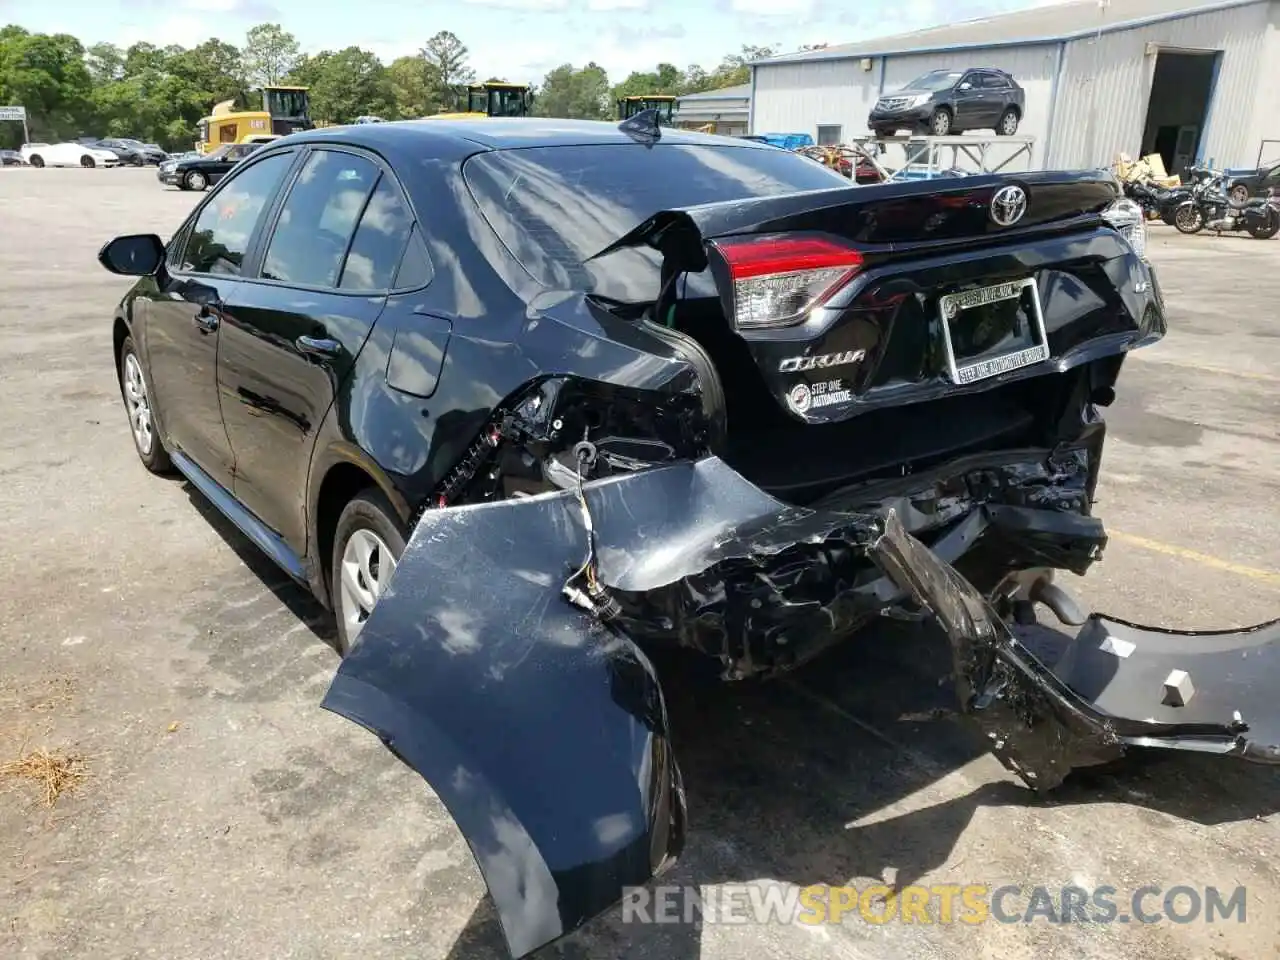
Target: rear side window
(994,81)
(318,218)
(556,207)
(379,240)
(225,226)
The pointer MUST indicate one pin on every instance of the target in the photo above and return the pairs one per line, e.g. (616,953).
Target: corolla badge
(1008,205)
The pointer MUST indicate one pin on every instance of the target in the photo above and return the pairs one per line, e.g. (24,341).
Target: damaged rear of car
(752,420)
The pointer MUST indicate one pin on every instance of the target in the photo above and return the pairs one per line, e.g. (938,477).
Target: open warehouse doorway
(1181,91)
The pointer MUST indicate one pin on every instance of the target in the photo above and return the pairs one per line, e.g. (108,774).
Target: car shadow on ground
(779,774)
(296,598)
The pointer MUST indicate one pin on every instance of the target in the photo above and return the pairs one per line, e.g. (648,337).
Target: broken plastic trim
(1109,689)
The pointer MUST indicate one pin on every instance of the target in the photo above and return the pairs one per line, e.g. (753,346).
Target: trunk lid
(845,300)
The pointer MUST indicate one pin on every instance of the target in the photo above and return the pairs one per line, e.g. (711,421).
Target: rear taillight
(778,280)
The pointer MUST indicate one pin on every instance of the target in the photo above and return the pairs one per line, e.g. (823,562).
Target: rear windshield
(554,207)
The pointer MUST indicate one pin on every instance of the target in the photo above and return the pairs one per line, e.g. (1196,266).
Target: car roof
(459,138)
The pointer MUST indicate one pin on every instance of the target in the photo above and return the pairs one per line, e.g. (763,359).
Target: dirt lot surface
(225,815)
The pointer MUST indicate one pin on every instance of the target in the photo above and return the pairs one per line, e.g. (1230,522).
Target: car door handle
(318,346)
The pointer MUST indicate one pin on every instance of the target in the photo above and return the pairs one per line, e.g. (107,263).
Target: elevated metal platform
(927,157)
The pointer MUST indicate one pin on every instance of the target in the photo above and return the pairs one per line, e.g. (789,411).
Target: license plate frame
(973,371)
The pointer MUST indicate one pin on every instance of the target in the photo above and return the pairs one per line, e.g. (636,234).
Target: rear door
(322,278)
(995,96)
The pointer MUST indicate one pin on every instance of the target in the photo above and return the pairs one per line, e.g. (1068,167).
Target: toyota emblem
(1008,205)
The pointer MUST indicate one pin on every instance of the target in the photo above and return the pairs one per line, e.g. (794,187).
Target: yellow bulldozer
(285,110)
(491,100)
(665,105)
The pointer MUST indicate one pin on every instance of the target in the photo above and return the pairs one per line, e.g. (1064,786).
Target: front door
(323,279)
(186,315)
(968,96)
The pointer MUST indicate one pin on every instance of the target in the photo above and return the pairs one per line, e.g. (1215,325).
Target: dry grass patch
(53,772)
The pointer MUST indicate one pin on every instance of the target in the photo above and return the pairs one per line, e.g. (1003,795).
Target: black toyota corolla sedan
(521,399)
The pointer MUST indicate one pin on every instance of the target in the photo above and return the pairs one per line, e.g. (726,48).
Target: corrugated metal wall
(1266,104)
(1090,127)
(797,97)
(1032,67)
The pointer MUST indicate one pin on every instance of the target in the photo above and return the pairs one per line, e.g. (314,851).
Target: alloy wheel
(367,565)
(139,405)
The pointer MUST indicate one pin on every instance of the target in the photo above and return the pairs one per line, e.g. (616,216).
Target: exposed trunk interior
(799,462)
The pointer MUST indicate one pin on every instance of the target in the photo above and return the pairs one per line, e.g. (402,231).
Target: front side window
(222,231)
(379,240)
(318,218)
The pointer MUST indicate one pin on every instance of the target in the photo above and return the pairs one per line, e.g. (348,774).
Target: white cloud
(538,5)
(605,5)
(773,8)
(180,29)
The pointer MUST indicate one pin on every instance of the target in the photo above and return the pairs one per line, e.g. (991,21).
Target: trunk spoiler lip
(770,214)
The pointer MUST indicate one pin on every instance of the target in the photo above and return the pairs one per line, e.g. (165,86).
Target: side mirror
(966,86)
(136,255)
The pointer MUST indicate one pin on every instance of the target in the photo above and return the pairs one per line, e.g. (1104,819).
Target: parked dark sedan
(151,154)
(946,102)
(126,154)
(521,398)
(201,172)
(1243,184)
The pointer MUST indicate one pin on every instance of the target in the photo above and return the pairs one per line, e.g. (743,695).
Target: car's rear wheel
(36,160)
(367,545)
(195,180)
(1008,124)
(137,403)
(87,162)
(940,122)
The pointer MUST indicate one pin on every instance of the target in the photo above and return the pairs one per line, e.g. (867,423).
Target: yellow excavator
(285,110)
(665,105)
(492,100)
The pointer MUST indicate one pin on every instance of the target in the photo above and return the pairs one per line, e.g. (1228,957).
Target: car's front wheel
(367,545)
(87,162)
(195,180)
(36,160)
(940,122)
(137,403)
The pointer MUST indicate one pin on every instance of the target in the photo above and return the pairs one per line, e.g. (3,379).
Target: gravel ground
(225,815)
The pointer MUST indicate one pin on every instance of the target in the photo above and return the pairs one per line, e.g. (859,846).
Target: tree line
(159,94)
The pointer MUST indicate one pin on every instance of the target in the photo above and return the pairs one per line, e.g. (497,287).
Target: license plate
(992,330)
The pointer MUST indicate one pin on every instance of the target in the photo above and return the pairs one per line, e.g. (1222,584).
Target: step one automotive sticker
(804,397)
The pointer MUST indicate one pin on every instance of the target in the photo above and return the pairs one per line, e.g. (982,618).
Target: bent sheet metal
(544,731)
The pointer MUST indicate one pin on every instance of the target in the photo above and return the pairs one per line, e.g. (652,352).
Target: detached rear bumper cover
(544,731)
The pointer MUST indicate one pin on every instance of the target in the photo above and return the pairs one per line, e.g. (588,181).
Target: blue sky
(517,39)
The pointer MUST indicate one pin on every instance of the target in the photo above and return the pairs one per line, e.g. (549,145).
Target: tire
(940,122)
(1268,230)
(1239,193)
(368,520)
(36,161)
(1188,219)
(195,180)
(1008,123)
(1167,216)
(142,426)
(88,162)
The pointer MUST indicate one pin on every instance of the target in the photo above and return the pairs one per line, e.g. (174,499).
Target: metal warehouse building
(1184,78)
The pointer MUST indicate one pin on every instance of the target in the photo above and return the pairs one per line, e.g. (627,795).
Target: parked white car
(67,155)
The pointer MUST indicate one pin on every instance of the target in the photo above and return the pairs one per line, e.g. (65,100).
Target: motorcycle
(1210,207)
(1156,201)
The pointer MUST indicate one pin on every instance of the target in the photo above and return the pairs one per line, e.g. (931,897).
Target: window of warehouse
(828,134)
